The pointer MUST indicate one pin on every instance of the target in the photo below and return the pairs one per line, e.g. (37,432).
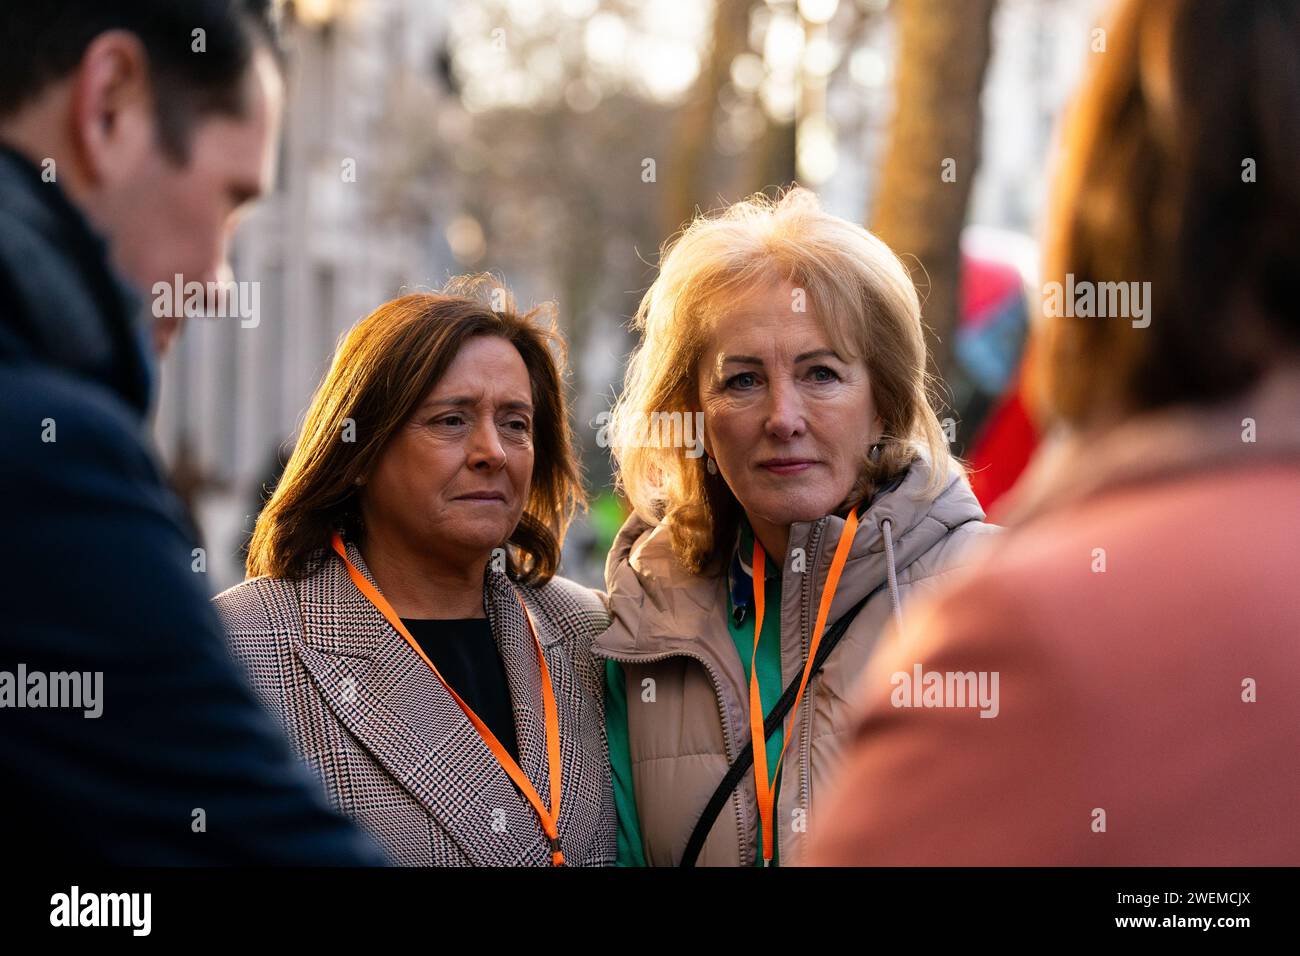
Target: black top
(466,656)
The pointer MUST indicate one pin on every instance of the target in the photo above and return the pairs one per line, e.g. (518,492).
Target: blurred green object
(607,516)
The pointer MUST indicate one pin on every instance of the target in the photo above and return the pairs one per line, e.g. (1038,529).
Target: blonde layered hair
(856,287)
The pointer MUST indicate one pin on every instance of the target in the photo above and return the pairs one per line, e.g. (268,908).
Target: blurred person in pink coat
(1118,683)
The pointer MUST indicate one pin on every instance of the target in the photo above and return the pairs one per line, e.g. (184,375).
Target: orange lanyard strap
(549,817)
(762,784)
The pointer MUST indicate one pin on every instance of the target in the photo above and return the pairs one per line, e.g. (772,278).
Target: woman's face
(453,480)
(787,419)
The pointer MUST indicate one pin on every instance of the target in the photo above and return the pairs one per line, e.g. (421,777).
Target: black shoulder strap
(770,725)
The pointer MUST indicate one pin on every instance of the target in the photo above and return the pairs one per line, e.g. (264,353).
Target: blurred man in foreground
(132,132)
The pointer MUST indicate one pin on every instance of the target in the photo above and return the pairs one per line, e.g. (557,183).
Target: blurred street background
(558,143)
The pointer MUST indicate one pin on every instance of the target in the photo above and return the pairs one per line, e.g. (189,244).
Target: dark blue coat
(96,577)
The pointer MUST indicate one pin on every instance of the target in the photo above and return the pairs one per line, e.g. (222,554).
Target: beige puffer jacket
(670,626)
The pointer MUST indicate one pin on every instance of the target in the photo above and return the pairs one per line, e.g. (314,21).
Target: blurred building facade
(342,232)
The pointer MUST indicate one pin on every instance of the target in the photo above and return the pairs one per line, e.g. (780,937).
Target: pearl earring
(710,466)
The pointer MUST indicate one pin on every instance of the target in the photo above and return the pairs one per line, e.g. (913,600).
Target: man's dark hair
(42,41)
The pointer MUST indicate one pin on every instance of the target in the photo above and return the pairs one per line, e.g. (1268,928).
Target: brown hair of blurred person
(384,368)
(1172,173)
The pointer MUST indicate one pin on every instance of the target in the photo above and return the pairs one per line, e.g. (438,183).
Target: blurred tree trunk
(943,51)
(774,164)
(689,179)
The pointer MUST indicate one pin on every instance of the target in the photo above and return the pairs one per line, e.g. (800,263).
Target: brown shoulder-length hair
(1177,168)
(384,368)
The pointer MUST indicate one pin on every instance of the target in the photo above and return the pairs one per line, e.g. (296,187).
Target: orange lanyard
(549,817)
(763,785)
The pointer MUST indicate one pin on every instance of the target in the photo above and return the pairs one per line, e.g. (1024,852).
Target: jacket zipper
(805,628)
(728,740)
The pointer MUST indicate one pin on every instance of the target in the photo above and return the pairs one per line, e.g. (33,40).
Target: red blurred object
(985,284)
(1004,447)
(991,285)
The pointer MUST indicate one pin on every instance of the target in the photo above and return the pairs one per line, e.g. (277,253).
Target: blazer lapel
(403,716)
(519,657)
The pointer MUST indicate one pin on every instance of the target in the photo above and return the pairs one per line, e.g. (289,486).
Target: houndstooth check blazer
(393,749)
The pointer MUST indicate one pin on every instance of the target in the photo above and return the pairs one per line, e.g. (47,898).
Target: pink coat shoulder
(1134,657)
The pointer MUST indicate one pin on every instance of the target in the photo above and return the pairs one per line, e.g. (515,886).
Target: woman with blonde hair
(402,616)
(775,427)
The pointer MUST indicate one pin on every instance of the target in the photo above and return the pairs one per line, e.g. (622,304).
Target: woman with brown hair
(1141,615)
(402,615)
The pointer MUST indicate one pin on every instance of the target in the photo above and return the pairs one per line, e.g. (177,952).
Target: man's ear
(113,116)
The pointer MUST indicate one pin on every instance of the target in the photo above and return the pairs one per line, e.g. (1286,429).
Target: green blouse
(740,623)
